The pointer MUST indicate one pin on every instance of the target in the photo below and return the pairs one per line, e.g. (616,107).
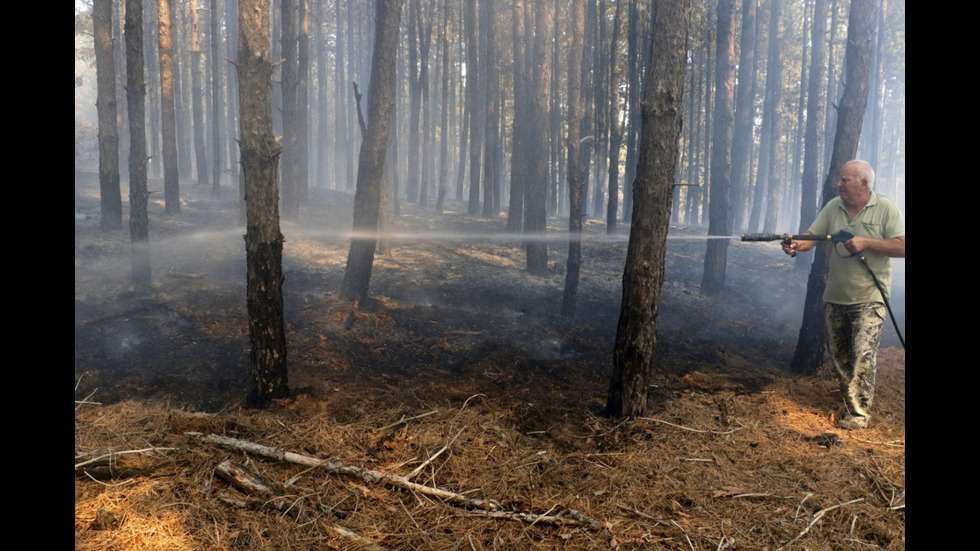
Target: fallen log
(567,517)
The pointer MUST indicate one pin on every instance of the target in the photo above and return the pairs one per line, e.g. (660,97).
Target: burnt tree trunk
(636,335)
(371,160)
(850,118)
(577,174)
(109,189)
(263,240)
(139,224)
(719,223)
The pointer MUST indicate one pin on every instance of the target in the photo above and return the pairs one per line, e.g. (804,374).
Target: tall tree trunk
(577,174)
(476,105)
(371,160)
(217,94)
(814,122)
(488,78)
(536,187)
(425,46)
(290,113)
(774,87)
(341,107)
(444,112)
(109,189)
(615,128)
(171,179)
(197,94)
(744,113)
(302,184)
(151,53)
(415,104)
(323,140)
(850,117)
(139,224)
(636,335)
(719,223)
(833,82)
(518,157)
(231,104)
(633,47)
(263,239)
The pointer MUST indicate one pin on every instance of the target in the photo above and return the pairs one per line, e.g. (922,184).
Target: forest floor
(735,453)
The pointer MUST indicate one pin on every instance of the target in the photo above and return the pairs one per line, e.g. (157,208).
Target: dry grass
(759,478)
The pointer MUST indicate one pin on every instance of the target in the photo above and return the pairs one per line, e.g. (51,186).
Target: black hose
(884,297)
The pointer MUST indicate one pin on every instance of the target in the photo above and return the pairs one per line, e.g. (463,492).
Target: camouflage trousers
(854,333)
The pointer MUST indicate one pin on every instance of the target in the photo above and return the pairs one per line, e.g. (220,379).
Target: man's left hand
(856,244)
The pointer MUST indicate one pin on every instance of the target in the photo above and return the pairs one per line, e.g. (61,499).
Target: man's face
(850,188)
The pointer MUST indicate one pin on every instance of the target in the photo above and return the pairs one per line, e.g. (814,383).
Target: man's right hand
(791,247)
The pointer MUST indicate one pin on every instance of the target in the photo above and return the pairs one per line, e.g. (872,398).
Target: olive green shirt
(849,281)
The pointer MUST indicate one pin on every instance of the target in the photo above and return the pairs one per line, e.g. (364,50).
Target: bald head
(863,171)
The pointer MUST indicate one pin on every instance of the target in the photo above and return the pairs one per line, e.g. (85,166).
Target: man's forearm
(894,248)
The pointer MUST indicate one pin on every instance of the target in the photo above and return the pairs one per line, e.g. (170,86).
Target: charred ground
(453,322)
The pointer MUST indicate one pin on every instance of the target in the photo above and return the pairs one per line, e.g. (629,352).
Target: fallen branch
(566,517)
(244,480)
(721,432)
(109,456)
(816,518)
(893,443)
(428,461)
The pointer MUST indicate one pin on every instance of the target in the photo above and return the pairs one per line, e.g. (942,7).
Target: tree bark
(812,341)
(615,128)
(476,105)
(444,114)
(371,160)
(744,113)
(290,121)
(139,224)
(491,89)
(263,239)
(197,95)
(636,335)
(518,157)
(536,186)
(814,121)
(302,183)
(719,223)
(217,93)
(109,189)
(577,174)
(171,178)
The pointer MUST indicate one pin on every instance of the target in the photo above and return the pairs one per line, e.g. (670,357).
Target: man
(855,307)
